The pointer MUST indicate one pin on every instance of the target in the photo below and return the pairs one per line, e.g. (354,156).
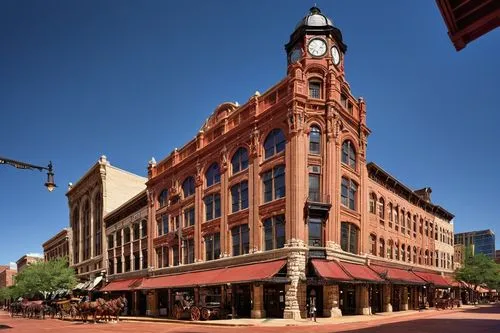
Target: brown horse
(92,308)
(113,308)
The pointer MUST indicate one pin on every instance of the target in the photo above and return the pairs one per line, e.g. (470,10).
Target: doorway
(347,298)
(274,300)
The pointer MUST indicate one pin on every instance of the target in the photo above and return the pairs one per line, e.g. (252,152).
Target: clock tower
(316,39)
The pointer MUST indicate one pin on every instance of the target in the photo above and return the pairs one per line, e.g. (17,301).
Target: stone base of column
(388,307)
(335,313)
(365,311)
(258,314)
(404,307)
(292,314)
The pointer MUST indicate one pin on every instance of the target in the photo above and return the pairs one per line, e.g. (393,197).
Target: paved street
(484,319)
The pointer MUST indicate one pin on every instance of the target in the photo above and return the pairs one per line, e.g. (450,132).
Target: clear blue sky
(133,80)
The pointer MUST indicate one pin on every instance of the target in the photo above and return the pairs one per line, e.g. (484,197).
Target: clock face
(317,47)
(295,55)
(335,55)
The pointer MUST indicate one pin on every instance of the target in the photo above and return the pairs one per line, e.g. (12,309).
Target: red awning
(235,274)
(397,274)
(361,272)
(453,282)
(330,270)
(434,279)
(121,285)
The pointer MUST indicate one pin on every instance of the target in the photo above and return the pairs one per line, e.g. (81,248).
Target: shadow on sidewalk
(4,327)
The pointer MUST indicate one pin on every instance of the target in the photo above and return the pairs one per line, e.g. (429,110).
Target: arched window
(396,250)
(315,89)
(349,154)
(213,174)
(274,143)
(97,224)
(381,251)
(315,140)
(396,218)
(372,201)
(391,218)
(239,161)
(403,252)
(403,225)
(76,235)
(390,249)
(426,257)
(163,198)
(381,208)
(420,257)
(408,223)
(414,254)
(408,253)
(86,230)
(373,244)
(348,193)
(188,186)
(349,235)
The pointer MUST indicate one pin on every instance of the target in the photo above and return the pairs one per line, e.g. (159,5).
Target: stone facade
(100,191)
(7,276)
(59,246)
(26,260)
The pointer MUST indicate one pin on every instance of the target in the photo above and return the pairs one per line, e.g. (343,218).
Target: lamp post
(21,165)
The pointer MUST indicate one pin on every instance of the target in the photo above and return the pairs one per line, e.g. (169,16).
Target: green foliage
(479,270)
(44,277)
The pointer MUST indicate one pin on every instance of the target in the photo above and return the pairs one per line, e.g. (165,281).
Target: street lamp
(21,165)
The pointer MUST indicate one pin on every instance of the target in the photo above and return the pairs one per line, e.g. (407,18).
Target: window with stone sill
(137,261)
(188,186)
(239,196)
(274,183)
(175,256)
(315,89)
(144,229)
(212,246)
(372,201)
(315,140)
(239,161)
(188,249)
(240,239)
(381,251)
(212,206)
(119,265)
(163,198)
(349,235)
(373,244)
(349,154)
(381,208)
(348,193)
(213,175)
(189,217)
(275,143)
(274,232)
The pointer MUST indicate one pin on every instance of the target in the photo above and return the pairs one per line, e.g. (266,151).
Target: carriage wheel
(195,313)
(177,312)
(205,314)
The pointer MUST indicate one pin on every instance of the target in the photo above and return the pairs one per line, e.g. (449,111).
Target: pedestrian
(312,308)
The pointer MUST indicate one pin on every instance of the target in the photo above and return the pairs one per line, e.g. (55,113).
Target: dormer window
(315,89)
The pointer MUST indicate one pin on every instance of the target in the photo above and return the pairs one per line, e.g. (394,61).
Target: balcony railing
(317,197)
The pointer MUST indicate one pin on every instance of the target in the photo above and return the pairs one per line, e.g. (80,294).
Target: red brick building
(468,20)
(7,276)
(272,207)
(58,246)
(26,260)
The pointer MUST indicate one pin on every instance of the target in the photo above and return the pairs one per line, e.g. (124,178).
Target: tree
(479,270)
(43,276)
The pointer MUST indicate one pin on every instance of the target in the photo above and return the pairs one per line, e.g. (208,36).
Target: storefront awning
(94,283)
(122,285)
(455,283)
(236,274)
(435,279)
(330,270)
(361,272)
(79,286)
(397,275)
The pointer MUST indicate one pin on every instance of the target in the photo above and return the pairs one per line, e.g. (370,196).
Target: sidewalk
(277,322)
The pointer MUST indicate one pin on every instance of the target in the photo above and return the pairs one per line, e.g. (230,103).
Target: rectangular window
(126,235)
(111,267)
(314,89)
(189,217)
(175,256)
(240,239)
(239,196)
(111,241)
(118,265)
(274,183)
(144,259)
(137,261)
(144,228)
(315,229)
(212,246)
(274,232)
(119,238)
(127,263)
(348,193)
(212,206)
(136,231)
(343,100)
(314,187)
(188,247)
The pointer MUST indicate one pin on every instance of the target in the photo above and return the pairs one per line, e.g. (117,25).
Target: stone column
(258,302)
(362,298)
(296,272)
(152,304)
(331,301)
(386,294)
(199,217)
(404,300)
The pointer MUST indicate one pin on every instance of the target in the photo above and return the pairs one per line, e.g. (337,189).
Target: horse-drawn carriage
(67,308)
(209,306)
(447,303)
